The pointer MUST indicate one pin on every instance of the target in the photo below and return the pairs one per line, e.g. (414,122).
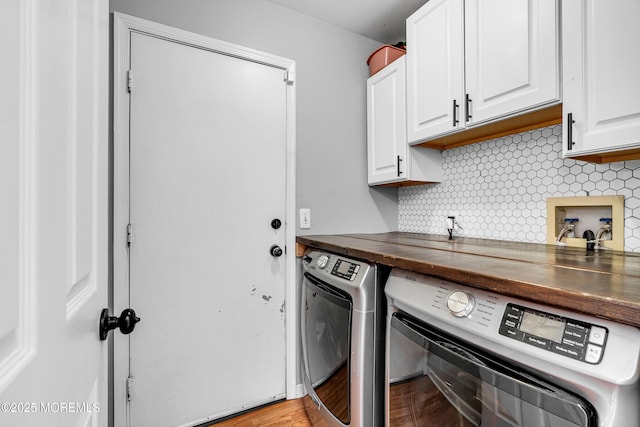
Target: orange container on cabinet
(382,57)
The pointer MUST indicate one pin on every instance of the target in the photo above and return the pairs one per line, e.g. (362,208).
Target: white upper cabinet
(390,160)
(386,140)
(476,61)
(435,69)
(512,55)
(601,78)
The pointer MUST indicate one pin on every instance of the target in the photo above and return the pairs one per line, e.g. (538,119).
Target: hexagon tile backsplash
(499,188)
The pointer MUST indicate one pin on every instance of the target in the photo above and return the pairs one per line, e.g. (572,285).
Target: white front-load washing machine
(460,356)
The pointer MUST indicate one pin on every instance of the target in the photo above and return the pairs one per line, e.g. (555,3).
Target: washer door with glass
(326,344)
(434,380)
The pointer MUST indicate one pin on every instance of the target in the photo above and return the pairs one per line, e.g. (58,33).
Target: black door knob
(126,322)
(275,251)
(276,223)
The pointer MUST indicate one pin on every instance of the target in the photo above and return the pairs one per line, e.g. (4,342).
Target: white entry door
(207,177)
(53,212)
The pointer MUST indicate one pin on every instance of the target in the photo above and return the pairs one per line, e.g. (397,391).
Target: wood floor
(410,402)
(287,413)
(292,412)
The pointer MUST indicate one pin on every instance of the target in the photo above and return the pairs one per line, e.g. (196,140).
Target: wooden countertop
(603,283)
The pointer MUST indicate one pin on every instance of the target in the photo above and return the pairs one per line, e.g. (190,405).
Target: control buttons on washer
(566,350)
(536,341)
(571,338)
(577,335)
(322,261)
(597,335)
(460,303)
(593,354)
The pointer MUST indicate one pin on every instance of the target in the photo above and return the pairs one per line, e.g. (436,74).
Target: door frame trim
(123,26)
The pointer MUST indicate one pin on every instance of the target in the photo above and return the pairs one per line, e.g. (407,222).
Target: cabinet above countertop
(471,63)
(601,89)
(390,160)
(478,71)
(605,284)
(496,129)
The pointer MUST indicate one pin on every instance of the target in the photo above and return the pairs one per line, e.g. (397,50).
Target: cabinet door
(511,56)
(386,135)
(435,70)
(601,76)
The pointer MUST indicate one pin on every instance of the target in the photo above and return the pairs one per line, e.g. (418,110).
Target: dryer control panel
(345,269)
(571,338)
(334,265)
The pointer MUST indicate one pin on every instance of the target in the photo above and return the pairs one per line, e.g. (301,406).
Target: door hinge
(289,77)
(129,388)
(129,234)
(129,80)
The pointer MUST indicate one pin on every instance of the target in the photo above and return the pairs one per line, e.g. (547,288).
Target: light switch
(305,218)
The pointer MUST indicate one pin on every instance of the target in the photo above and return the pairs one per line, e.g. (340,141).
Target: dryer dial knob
(322,261)
(460,303)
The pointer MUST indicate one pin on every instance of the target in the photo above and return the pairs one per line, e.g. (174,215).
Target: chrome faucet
(568,230)
(451,225)
(603,231)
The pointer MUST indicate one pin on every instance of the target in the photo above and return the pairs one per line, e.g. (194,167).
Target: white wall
(331,101)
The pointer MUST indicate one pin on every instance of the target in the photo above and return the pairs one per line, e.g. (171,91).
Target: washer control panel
(571,338)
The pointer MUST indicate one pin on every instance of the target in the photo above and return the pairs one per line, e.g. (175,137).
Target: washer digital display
(541,325)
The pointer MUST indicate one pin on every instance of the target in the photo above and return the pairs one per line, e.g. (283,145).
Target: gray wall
(331,101)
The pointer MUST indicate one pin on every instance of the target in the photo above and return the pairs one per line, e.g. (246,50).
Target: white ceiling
(381,20)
